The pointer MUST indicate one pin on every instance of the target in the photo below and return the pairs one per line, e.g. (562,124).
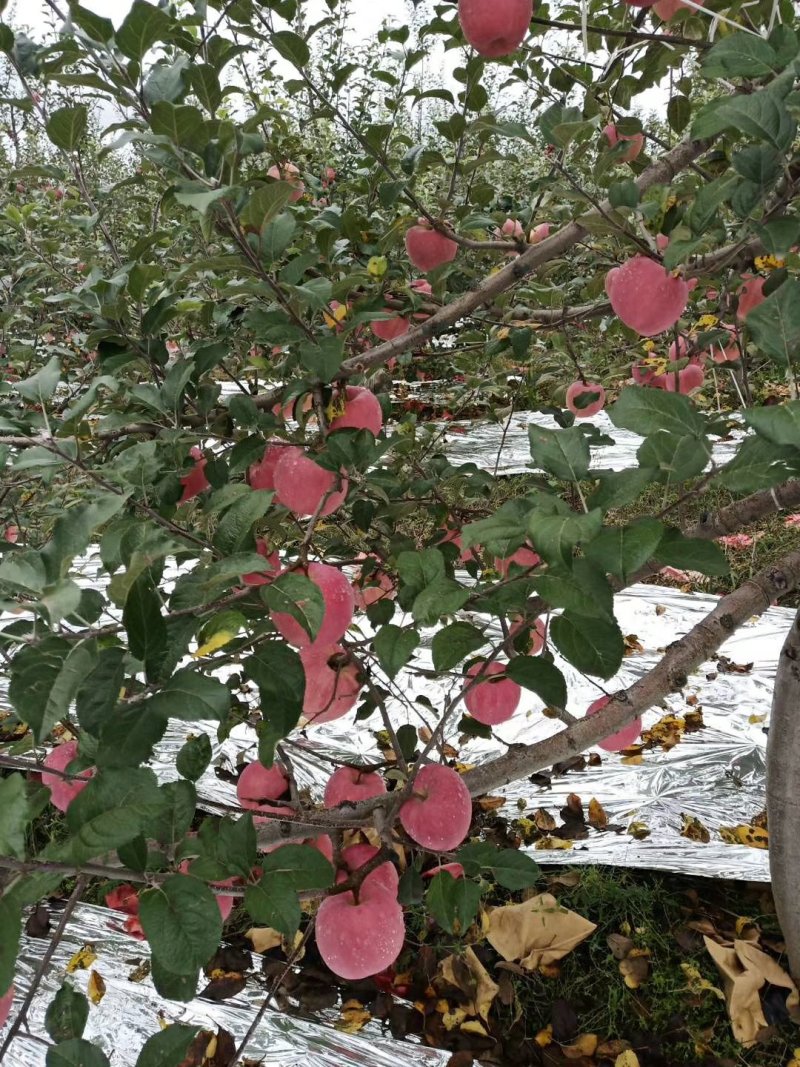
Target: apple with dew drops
(635,141)
(628,735)
(261,475)
(332,683)
(428,249)
(646,296)
(496,28)
(360,937)
(595,395)
(301,485)
(64,790)
(339,604)
(362,411)
(438,813)
(385,874)
(388,329)
(491,702)
(351,784)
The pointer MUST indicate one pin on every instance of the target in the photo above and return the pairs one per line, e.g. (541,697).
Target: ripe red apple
(624,737)
(258,783)
(492,702)
(362,411)
(523,557)
(513,228)
(357,938)
(64,790)
(288,172)
(667,9)
(419,285)
(645,296)
(195,482)
(538,233)
(388,329)
(636,140)
(428,249)
(438,813)
(339,605)
(751,295)
(300,484)
(690,378)
(537,635)
(455,870)
(332,683)
(6,1002)
(272,569)
(351,784)
(596,394)
(261,475)
(497,28)
(384,876)
(123,898)
(370,587)
(453,537)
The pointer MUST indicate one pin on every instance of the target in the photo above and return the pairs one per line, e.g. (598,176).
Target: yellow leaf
(583,1045)
(454,1018)
(354,1017)
(597,816)
(754,836)
(96,988)
(82,960)
(693,829)
(628,1058)
(215,642)
(544,1037)
(263,938)
(550,844)
(474,1027)
(211,1048)
(537,932)
(696,984)
(639,830)
(377,266)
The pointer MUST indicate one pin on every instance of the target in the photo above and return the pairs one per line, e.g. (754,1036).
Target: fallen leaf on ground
(638,830)
(82,960)
(698,985)
(744,970)
(354,1017)
(96,988)
(467,973)
(549,844)
(628,1058)
(753,836)
(584,1045)
(263,938)
(694,829)
(537,932)
(597,816)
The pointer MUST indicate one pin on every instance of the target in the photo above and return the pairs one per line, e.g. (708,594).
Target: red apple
(385,874)
(351,784)
(538,233)
(645,296)
(195,482)
(272,569)
(628,735)
(300,484)
(438,813)
(667,9)
(419,285)
(6,1002)
(370,587)
(595,393)
(332,683)
(751,295)
(360,938)
(64,790)
(258,783)
(537,635)
(428,249)
(123,898)
(513,228)
(636,140)
(261,475)
(339,605)
(523,557)
(492,702)
(388,329)
(288,172)
(690,378)
(362,411)
(497,28)
(455,870)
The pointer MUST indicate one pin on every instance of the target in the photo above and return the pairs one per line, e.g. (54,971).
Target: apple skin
(667,9)
(6,1003)
(331,691)
(495,29)
(300,484)
(751,295)
(195,482)
(645,296)
(537,635)
(288,172)
(523,557)
(389,329)
(539,233)
(339,605)
(384,875)
(578,389)
(636,140)
(491,702)
(261,475)
(428,249)
(351,784)
(271,570)
(362,411)
(628,735)
(689,379)
(258,783)
(64,790)
(359,938)
(439,812)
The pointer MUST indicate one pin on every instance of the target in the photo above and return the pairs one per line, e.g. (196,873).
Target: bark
(783,794)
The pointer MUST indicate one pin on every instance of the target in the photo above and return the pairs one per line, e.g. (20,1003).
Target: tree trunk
(783,794)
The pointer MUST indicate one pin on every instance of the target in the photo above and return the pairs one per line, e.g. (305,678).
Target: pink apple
(123,898)
(288,172)
(64,790)
(389,329)
(438,813)
(362,411)
(523,557)
(667,9)
(595,393)
(644,374)
(645,296)
(351,784)
(689,379)
(492,702)
(272,569)
(385,874)
(258,783)
(537,635)
(195,482)
(628,735)
(300,484)
(360,938)
(338,607)
(6,1002)
(332,683)
(751,295)
(261,475)
(371,586)
(419,285)
(636,140)
(455,870)
(539,233)
(453,537)
(513,228)
(497,28)
(428,249)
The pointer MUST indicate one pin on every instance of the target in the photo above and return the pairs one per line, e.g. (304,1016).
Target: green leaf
(66,1014)
(394,647)
(758,464)
(418,569)
(204,81)
(676,550)
(505,531)
(192,697)
(760,164)
(16,815)
(10,929)
(672,458)
(556,536)
(265,203)
(273,901)
(775,323)
(583,589)
(67,127)
(113,809)
(761,115)
(180,987)
(183,125)
(146,627)
(679,113)
(514,870)
(41,386)
(562,453)
(45,679)
(595,646)
(622,550)
(73,531)
(277,671)
(742,55)
(296,595)
(98,692)
(168,1047)
(442,597)
(194,757)
(200,198)
(180,807)
(453,902)
(182,922)
(616,489)
(779,423)
(129,734)
(142,27)
(291,47)
(303,865)
(454,643)
(275,236)
(540,676)
(644,411)
(76,1052)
